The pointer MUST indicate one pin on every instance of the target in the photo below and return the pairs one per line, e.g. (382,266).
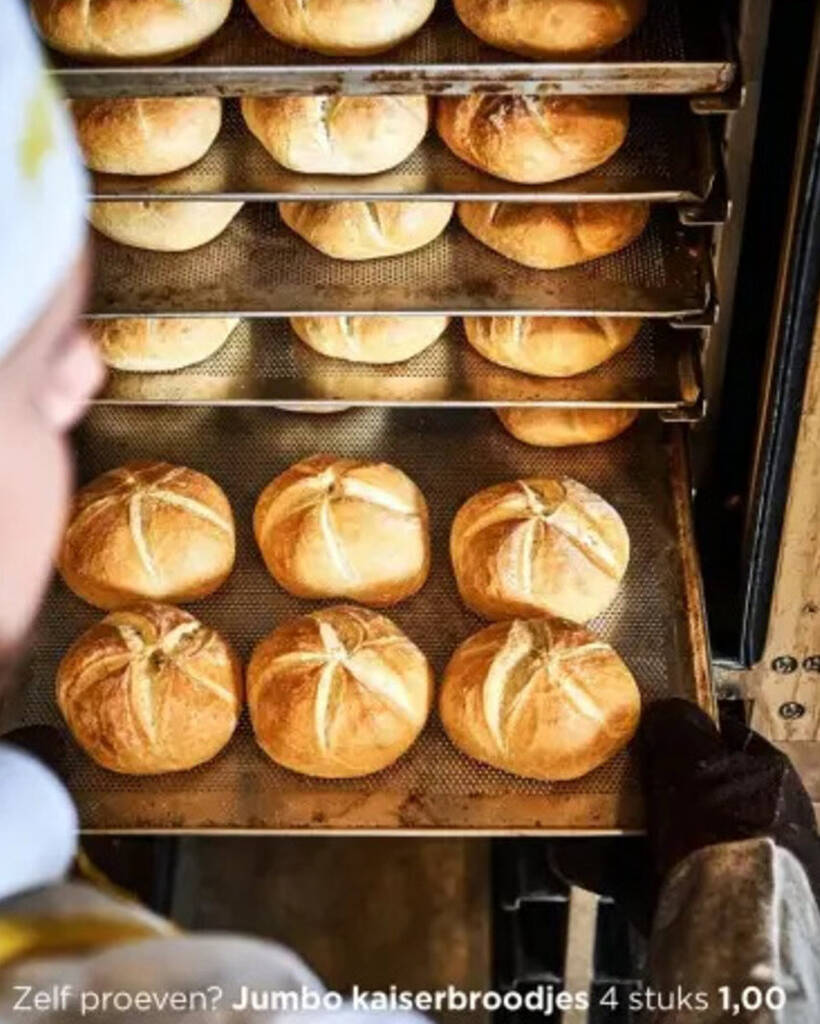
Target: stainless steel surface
(264,362)
(739,132)
(656,622)
(258,267)
(679,49)
(667,157)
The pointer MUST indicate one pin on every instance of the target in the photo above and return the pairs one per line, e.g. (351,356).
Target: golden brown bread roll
(533,138)
(552,29)
(338,134)
(342,28)
(149,689)
(538,546)
(552,235)
(156,344)
(354,230)
(333,527)
(541,698)
(556,428)
(339,693)
(374,340)
(164,226)
(369,339)
(147,530)
(550,346)
(146,136)
(125,30)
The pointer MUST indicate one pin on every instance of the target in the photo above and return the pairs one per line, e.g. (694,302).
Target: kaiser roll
(556,428)
(338,693)
(164,226)
(147,530)
(541,698)
(150,689)
(369,339)
(552,29)
(128,30)
(550,346)
(538,546)
(364,231)
(156,345)
(533,138)
(551,235)
(146,136)
(333,527)
(338,134)
(342,28)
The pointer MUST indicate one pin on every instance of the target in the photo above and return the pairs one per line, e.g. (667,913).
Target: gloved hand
(702,786)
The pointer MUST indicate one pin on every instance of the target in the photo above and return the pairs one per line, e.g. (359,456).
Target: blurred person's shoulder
(38,824)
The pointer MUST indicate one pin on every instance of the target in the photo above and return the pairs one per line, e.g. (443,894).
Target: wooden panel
(786,683)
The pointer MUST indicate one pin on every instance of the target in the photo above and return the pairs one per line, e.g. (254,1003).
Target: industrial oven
(723,142)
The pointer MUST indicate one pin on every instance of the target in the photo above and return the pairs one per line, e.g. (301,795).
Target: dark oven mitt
(702,786)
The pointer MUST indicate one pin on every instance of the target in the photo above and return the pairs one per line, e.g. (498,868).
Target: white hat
(42,182)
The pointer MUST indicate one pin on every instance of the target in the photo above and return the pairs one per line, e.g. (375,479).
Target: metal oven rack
(680,48)
(668,157)
(655,622)
(209,415)
(264,362)
(258,267)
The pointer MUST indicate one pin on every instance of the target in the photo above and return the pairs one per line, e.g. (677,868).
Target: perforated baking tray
(680,48)
(259,267)
(667,157)
(263,361)
(656,622)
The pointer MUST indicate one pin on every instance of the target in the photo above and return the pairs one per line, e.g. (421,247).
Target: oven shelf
(264,362)
(667,157)
(656,622)
(681,48)
(258,267)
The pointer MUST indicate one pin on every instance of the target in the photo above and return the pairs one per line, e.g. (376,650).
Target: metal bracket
(733,98)
(717,207)
(708,316)
(690,373)
(733,683)
(686,414)
(719,103)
